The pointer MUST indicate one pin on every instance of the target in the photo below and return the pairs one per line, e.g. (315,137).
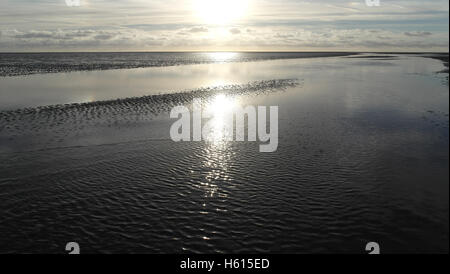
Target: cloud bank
(122,25)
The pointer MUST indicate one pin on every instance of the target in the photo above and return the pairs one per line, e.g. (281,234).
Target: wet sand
(362,156)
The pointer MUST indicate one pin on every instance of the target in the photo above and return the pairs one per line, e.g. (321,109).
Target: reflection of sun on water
(220,109)
(88,98)
(218,151)
(220,74)
(222,56)
(216,164)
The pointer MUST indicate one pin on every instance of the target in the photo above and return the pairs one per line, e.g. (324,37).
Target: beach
(86,155)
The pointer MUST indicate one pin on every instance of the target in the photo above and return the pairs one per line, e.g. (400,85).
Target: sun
(220,12)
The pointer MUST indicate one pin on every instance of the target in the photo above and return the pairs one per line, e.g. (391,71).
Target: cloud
(269,25)
(418,33)
(104,36)
(235,31)
(283,36)
(267,38)
(198,29)
(79,39)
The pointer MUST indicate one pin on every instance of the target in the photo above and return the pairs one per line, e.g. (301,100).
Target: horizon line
(236,51)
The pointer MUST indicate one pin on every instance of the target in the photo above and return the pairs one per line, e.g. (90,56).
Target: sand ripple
(52,126)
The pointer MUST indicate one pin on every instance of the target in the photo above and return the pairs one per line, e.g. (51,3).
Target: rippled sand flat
(362,156)
(16,64)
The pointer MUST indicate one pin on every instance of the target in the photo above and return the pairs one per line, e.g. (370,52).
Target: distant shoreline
(31,63)
(237,51)
(20,64)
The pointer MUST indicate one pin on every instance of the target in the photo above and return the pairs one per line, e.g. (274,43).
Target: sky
(223,25)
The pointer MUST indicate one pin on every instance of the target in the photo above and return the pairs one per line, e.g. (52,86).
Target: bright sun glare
(222,56)
(220,12)
(220,107)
